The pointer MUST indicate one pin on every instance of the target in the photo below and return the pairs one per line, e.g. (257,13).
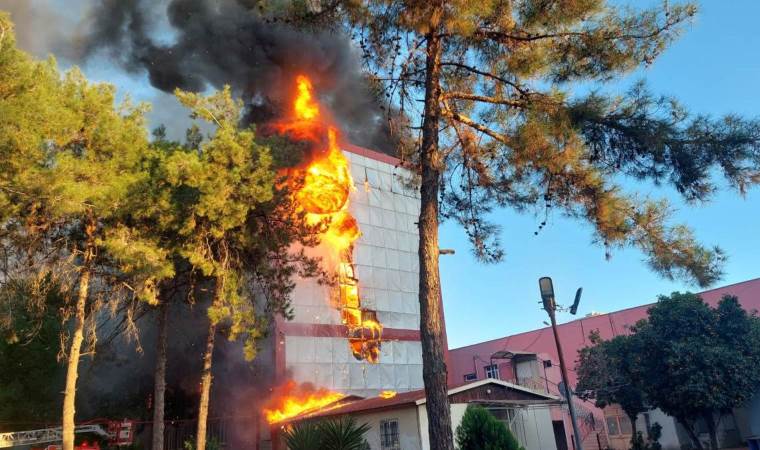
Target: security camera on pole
(547,296)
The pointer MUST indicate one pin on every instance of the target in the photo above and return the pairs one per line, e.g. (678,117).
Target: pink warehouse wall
(574,336)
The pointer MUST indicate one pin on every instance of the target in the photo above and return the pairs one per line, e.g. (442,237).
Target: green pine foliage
(70,157)
(116,220)
(70,160)
(31,375)
(516,133)
(480,430)
(221,208)
(487,91)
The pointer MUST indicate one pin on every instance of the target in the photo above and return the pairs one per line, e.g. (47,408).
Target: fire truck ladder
(18,438)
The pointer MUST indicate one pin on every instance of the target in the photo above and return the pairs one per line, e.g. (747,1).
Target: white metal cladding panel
(385,256)
(386,264)
(327,362)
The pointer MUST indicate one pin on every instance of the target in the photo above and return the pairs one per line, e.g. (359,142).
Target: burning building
(359,336)
(314,346)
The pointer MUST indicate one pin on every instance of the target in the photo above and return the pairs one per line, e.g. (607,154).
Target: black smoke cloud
(197,44)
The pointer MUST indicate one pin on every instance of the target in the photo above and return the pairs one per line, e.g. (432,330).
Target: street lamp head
(547,293)
(547,288)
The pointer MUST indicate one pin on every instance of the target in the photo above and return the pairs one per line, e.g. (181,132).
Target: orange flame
(305,106)
(295,400)
(387,394)
(325,196)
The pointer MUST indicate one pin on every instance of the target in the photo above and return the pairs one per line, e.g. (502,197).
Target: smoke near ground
(200,44)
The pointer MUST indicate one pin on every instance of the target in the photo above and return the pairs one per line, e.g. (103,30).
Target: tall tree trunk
(159,388)
(709,419)
(632,419)
(72,370)
(692,434)
(200,439)
(431,315)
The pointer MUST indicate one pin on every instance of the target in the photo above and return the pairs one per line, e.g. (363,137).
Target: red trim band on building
(328,330)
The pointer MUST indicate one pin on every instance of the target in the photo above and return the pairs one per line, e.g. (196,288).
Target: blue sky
(713,69)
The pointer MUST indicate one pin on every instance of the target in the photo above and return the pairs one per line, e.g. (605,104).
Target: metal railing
(591,426)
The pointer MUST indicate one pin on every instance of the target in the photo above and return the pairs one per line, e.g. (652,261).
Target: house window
(618,425)
(389,435)
(612,426)
(492,371)
(470,377)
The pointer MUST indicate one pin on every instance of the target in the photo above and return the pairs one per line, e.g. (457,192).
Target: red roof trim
(377,156)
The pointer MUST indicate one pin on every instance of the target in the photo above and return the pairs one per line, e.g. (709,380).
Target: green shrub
(480,430)
(652,441)
(212,443)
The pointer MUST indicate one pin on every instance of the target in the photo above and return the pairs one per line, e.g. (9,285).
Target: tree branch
(503,138)
(517,87)
(483,99)
(523,36)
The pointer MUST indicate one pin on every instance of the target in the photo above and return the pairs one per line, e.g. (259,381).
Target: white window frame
(491,370)
(394,443)
(470,377)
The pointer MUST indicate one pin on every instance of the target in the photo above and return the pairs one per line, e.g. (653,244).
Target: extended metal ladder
(18,438)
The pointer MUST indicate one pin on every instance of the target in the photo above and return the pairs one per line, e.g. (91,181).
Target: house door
(559,434)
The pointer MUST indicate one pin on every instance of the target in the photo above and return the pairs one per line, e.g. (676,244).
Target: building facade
(530,359)
(314,347)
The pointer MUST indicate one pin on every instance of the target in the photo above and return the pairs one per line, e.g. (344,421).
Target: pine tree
(69,159)
(500,127)
(234,222)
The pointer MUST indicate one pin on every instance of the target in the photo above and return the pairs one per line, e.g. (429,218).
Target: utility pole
(547,296)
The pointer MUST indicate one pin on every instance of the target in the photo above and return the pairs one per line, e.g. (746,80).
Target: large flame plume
(292,400)
(325,196)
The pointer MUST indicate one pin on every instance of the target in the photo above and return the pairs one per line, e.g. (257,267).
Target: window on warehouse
(492,371)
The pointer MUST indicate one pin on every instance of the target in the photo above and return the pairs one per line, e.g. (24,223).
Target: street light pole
(547,295)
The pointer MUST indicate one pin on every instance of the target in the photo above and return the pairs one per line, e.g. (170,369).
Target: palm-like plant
(343,434)
(303,436)
(340,434)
